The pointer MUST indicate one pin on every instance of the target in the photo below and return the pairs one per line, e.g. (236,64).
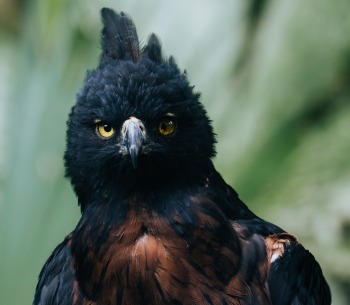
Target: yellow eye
(167,125)
(104,130)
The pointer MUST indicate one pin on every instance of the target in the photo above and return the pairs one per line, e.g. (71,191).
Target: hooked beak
(133,136)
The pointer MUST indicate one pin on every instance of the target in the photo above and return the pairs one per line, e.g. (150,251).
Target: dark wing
(56,279)
(296,278)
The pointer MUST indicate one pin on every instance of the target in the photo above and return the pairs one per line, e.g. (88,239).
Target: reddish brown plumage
(145,261)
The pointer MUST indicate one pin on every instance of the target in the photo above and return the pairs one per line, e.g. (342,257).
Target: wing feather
(296,278)
(56,279)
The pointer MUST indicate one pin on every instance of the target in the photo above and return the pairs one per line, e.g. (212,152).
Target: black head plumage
(136,95)
(119,37)
(153,49)
(119,40)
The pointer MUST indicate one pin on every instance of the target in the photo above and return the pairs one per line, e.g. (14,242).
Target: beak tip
(133,156)
(134,163)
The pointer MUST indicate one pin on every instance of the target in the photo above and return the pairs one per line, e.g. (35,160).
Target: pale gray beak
(133,136)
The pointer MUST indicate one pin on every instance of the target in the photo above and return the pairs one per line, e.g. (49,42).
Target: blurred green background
(275,79)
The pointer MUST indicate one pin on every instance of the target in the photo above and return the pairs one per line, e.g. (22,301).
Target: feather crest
(119,37)
(153,49)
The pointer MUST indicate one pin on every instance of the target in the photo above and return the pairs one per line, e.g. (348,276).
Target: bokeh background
(274,77)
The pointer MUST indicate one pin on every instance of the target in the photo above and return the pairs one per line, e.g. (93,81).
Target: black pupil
(107,128)
(164,126)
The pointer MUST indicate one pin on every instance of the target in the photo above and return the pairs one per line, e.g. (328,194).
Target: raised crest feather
(153,49)
(119,37)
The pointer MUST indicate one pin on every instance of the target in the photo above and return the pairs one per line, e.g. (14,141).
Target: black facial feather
(159,224)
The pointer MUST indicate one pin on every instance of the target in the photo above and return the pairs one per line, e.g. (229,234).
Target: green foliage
(274,76)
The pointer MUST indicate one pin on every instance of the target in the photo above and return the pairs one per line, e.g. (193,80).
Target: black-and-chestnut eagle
(159,225)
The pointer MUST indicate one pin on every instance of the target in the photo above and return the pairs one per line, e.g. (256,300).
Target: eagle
(159,225)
